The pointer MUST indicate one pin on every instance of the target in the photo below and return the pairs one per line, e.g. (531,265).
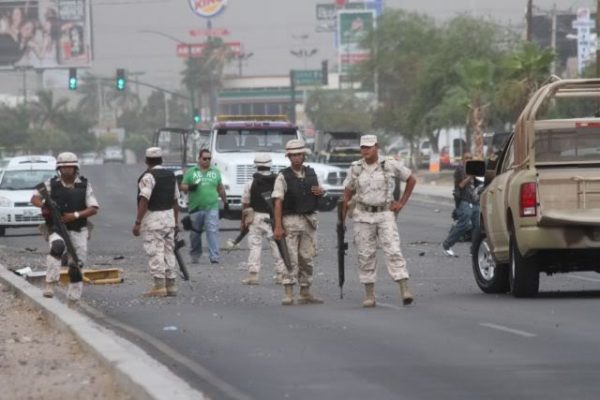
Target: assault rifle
(179,243)
(75,266)
(232,243)
(342,246)
(281,244)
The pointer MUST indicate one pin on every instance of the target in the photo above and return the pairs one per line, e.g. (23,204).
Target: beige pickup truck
(540,208)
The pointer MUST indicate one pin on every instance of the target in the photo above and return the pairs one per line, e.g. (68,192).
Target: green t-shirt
(206,196)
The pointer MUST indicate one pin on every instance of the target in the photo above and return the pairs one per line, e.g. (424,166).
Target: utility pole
(553,39)
(529,18)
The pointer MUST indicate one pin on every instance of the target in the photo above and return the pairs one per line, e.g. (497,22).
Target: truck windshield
(252,140)
(24,180)
(568,145)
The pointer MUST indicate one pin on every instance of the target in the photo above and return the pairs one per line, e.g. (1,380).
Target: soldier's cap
(263,160)
(153,152)
(296,146)
(368,140)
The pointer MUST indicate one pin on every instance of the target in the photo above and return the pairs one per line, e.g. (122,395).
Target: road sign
(308,77)
(184,50)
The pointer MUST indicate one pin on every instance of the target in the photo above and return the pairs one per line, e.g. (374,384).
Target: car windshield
(24,180)
(244,140)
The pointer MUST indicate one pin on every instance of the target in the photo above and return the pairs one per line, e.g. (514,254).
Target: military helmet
(263,160)
(67,159)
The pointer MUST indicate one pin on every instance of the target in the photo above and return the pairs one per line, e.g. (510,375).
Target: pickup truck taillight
(528,199)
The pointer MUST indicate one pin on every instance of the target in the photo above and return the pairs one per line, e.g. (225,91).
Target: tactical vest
(161,198)
(298,198)
(69,200)
(260,184)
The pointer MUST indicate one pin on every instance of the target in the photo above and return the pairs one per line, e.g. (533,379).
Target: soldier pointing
(370,182)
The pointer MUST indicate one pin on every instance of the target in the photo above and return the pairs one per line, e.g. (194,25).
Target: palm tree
(46,112)
(205,73)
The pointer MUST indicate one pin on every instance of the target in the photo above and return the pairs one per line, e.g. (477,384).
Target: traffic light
(120,82)
(72,78)
(197,116)
(324,72)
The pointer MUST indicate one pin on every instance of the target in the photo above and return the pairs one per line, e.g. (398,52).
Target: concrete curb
(136,373)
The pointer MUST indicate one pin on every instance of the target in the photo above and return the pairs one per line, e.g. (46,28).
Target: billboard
(353,26)
(45,34)
(207,8)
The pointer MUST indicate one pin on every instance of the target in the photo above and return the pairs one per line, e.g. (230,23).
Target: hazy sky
(265,27)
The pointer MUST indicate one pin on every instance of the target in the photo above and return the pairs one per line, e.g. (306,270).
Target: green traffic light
(120,84)
(72,83)
(197,119)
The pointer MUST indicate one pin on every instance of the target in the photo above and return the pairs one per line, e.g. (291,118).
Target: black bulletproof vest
(260,184)
(69,200)
(298,198)
(162,194)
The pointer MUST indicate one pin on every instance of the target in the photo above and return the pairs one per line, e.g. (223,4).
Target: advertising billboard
(45,34)
(353,27)
(207,8)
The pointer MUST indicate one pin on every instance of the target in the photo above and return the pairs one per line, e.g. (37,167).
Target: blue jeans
(207,221)
(468,218)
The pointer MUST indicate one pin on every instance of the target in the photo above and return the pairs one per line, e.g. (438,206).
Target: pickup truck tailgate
(568,196)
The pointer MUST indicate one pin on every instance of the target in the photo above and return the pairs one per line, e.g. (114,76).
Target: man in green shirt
(204,187)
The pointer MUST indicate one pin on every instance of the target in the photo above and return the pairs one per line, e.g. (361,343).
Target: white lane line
(583,278)
(507,329)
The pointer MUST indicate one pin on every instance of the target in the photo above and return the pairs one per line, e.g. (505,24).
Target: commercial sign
(195,50)
(326,13)
(45,34)
(209,32)
(207,8)
(353,27)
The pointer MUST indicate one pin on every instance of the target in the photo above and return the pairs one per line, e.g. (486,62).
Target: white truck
(233,142)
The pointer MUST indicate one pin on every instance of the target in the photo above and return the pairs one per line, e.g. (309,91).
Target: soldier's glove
(46,213)
(192,187)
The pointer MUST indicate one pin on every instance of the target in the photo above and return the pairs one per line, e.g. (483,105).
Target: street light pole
(191,84)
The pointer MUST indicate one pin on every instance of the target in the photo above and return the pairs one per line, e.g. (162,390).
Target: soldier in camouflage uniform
(77,202)
(157,214)
(371,184)
(296,193)
(255,218)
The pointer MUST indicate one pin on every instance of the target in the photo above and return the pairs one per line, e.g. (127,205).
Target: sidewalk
(50,348)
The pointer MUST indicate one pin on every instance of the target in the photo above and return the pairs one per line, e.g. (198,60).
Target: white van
(17,183)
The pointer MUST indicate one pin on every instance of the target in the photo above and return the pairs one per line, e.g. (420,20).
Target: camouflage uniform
(300,237)
(258,229)
(158,229)
(79,240)
(374,223)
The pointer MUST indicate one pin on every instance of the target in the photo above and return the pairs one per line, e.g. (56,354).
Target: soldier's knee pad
(57,248)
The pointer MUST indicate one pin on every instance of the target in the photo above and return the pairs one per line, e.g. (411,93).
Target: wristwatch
(76,214)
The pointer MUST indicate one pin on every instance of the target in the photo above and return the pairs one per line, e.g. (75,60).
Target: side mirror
(475,168)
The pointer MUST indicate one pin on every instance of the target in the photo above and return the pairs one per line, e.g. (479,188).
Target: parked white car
(17,182)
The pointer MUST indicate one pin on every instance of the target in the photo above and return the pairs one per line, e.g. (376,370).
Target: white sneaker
(449,252)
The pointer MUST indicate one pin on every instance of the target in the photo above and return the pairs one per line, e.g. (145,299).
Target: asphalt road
(237,342)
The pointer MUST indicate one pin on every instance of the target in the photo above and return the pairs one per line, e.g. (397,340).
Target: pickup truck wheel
(2,231)
(524,273)
(489,276)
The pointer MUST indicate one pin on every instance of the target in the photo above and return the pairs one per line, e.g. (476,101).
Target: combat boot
(307,298)
(407,297)
(49,289)
(171,287)
(159,289)
(369,295)
(252,279)
(289,295)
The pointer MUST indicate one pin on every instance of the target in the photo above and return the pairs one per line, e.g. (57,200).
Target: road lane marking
(584,278)
(507,329)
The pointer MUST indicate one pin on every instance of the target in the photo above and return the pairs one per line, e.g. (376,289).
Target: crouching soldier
(255,218)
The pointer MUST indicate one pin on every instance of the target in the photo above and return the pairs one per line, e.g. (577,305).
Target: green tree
(46,112)
(338,111)
(14,128)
